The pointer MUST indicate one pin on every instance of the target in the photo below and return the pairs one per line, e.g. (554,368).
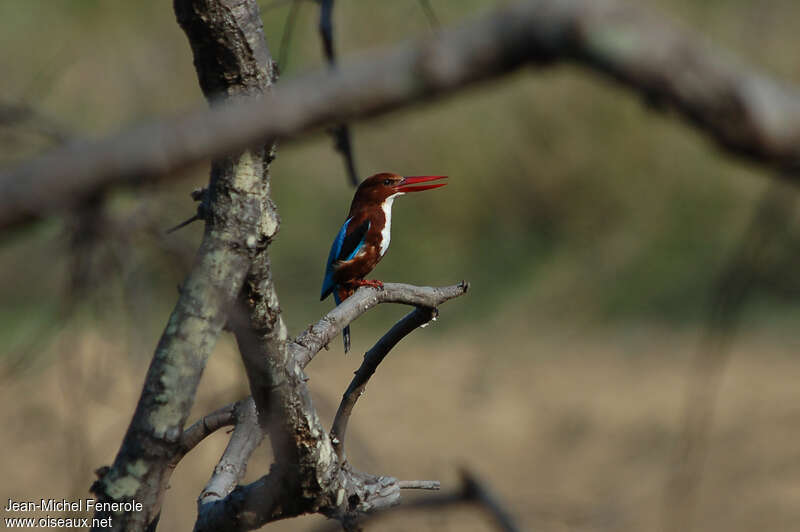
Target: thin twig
(207,425)
(372,359)
(184,223)
(472,491)
(342,140)
(343,143)
(432,485)
(477,490)
(326,30)
(433,20)
(286,38)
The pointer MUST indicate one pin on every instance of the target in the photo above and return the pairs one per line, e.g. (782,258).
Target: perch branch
(743,111)
(318,335)
(373,357)
(307,475)
(308,344)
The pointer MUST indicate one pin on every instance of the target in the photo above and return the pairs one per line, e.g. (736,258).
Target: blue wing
(336,248)
(344,247)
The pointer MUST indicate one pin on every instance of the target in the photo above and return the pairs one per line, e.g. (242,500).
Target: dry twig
(416,318)
(473,491)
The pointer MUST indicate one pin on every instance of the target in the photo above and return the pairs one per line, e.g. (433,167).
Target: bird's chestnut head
(378,187)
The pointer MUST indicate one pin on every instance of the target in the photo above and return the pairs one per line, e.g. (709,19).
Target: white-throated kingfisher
(364,237)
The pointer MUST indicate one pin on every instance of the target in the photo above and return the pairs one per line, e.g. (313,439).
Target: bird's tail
(339,295)
(346,338)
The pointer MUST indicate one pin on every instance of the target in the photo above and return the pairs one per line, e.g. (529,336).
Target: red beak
(406,185)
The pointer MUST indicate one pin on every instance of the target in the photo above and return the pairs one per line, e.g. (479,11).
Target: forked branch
(230,469)
(317,336)
(308,475)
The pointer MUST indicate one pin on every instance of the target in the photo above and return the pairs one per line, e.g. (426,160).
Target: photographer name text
(78,505)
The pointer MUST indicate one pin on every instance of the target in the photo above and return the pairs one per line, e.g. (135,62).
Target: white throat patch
(386,233)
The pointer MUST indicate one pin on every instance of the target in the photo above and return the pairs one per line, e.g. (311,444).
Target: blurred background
(624,360)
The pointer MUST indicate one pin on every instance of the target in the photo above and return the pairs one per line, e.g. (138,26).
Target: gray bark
(308,475)
(232,61)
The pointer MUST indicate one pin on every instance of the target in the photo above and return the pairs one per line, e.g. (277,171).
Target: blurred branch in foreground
(744,112)
(20,115)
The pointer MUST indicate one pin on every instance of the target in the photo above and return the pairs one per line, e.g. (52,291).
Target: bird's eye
(387,182)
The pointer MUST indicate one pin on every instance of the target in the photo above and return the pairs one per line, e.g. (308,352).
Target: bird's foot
(374,283)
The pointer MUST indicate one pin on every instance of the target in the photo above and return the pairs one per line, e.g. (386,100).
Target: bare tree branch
(325,28)
(308,344)
(206,426)
(278,385)
(16,114)
(319,334)
(286,38)
(268,499)
(228,44)
(241,221)
(373,357)
(307,475)
(232,465)
(234,458)
(743,111)
(477,490)
(342,140)
(430,14)
(472,491)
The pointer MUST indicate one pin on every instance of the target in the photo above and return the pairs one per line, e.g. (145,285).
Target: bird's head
(377,188)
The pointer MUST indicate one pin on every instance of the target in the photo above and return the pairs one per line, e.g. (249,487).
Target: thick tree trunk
(232,60)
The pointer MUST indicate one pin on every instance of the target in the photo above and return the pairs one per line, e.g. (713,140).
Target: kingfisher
(365,235)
